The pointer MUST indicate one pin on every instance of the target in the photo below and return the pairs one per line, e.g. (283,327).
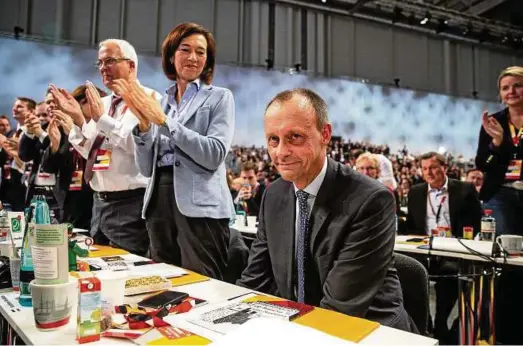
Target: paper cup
(53,304)
(251,221)
(113,289)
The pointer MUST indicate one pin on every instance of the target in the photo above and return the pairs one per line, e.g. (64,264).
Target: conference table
(20,324)
(476,284)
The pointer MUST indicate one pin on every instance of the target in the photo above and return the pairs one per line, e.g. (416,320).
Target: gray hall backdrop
(357,55)
(358,111)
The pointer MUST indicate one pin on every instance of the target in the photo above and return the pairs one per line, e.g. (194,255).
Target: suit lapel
(452,196)
(199,99)
(321,209)
(423,205)
(286,213)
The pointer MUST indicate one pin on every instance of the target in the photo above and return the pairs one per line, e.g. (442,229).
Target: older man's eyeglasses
(109,62)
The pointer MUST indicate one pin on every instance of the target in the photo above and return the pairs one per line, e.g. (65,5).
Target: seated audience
(442,202)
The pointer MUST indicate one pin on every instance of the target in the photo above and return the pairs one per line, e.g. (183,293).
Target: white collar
(443,189)
(314,186)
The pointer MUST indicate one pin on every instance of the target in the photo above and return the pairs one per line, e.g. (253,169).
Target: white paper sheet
(269,331)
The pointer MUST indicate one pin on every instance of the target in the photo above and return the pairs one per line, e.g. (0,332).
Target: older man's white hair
(126,48)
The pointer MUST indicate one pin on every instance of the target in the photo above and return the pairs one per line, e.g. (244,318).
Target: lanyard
(440,206)
(515,138)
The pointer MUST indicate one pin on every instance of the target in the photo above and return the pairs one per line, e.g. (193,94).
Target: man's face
(86,110)
(42,113)
(295,145)
(20,109)
(433,172)
(249,177)
(190,57)
(476,178)
(5,126)
(112,66)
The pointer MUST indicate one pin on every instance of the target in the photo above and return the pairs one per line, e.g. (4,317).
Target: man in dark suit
(250,195)
(442,202)
(33,142)
(326,233)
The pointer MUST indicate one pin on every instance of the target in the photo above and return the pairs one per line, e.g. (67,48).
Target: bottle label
(488,226)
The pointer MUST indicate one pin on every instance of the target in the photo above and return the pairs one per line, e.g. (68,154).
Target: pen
(241,295)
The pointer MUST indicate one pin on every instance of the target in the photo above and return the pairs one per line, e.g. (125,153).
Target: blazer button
(177,163)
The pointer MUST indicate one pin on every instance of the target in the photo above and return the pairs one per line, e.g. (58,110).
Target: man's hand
(63,120)
(126,91)
(54,135)
(94,101)
(67,104)
(33,125)
(149,106)
(246,192)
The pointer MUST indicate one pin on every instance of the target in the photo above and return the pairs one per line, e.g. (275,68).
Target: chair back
(414,281)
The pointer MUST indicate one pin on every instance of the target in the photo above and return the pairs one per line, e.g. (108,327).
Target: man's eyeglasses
(109,62)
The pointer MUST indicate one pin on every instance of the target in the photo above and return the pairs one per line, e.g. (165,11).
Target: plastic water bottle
(488,226)
(26,263)
(42,215)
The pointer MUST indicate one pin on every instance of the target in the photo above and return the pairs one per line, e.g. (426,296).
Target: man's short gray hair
(126,48)
(315,100)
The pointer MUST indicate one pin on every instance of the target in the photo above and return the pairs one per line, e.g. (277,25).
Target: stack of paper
(269,331)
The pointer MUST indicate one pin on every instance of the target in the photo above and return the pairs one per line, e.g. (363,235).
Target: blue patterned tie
(303,240)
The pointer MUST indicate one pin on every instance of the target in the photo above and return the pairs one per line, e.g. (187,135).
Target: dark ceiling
(494,22)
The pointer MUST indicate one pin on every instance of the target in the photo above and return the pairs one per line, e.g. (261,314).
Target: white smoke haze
(358,111)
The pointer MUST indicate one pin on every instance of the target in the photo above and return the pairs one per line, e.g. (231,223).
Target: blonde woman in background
(500,155)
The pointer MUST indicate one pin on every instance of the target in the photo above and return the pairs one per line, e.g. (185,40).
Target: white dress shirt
(122,173)
(312,189)
(435,198)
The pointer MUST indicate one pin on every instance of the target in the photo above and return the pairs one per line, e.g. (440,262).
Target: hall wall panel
(342,50)
(227,31)
(141,24)
(77,21)
(108,19)
(9,14)
(436,66)
(465,71)
(410,60)
(373,47)
(43,18)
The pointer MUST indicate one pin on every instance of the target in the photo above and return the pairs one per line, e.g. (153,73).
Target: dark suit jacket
(75,206)
(464,208)
(352,231)
(32,149)
(494,161)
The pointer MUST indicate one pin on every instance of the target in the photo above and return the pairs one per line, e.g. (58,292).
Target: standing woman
(500,154)
(181,145)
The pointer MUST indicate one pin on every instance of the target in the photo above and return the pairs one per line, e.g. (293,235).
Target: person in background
(442,202)
(34,141)
(326,233)
(182,145)
(475,177)
(107,145)
(251,192)
(499,155)
(76,200)
(5,126)
(13,190)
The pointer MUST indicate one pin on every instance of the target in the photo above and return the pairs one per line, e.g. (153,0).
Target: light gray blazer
(201,138)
